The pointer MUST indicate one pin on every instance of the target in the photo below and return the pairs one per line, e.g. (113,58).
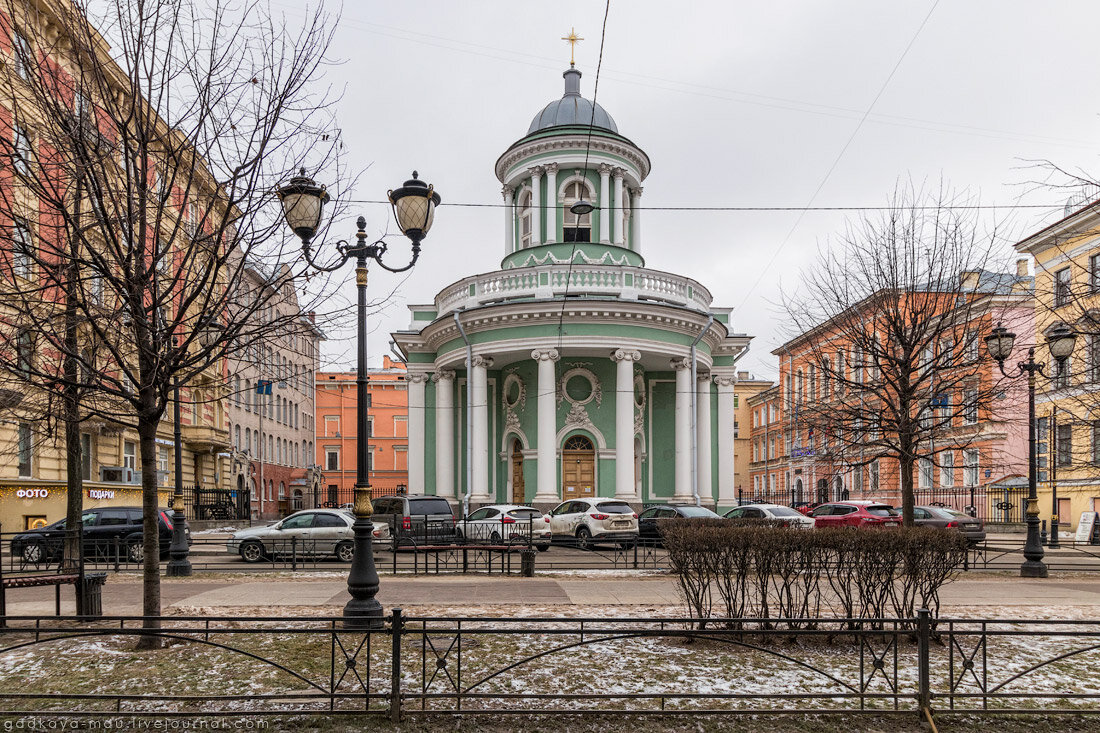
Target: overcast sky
(736,103)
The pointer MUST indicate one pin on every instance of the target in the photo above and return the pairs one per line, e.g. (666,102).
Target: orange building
(388,446)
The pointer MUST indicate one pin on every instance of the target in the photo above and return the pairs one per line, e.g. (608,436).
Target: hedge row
(759,571)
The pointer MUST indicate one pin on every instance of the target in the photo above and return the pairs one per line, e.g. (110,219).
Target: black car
(647,520)
(110,532)
(416,519)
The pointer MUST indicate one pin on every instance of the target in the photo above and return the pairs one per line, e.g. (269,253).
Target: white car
(509,523)
(586,521)
(786,515)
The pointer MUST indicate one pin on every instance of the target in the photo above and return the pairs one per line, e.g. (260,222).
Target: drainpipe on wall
(469,417)
(695,413)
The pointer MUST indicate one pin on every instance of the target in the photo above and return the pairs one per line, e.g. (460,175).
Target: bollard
(527,562)
(396,628)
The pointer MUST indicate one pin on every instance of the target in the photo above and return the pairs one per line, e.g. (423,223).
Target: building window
(577,228)
(22,249)
(332,426)
(86,456)
(1060,370)
(26,449)
(129,454)
(525,220)
(1096,441)
(1063,445)
(947,469)
(1094,358)
(22,153)
(924,479)
(1094,273)
(736,430)
(332,459)
(970,406)
(873,470)
(970,467)
(23,56)
(970,353)
(1061,287)
(24,353)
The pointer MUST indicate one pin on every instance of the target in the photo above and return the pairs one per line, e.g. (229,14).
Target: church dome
(572,109)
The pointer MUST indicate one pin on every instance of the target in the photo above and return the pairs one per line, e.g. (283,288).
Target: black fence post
(293,553)
(924,695)
(396,629)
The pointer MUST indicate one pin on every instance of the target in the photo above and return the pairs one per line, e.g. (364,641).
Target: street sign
(263,386)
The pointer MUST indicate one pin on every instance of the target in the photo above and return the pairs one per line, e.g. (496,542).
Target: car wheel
(494,538)
(34,553)
(542,548)
(135,552)
(584,538)
(345,551)
(252,552)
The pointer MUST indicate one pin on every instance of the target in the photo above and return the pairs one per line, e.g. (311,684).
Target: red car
(856,514)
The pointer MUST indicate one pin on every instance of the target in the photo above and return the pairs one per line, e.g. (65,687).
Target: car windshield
(429,506)
(953,514)
(696,511)
(783,511)
(615,507)
(882,511)
(525,514)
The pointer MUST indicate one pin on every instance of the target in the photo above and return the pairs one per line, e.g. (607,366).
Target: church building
(568,372)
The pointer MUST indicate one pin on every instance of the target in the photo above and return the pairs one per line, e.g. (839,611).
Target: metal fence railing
(217,504)
(413,667)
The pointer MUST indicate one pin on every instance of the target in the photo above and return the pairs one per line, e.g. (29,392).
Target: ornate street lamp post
(1060,341)
(414,208)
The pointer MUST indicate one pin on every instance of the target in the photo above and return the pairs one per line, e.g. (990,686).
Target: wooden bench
(33,581)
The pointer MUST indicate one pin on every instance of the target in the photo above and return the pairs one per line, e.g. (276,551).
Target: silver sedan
(309,533)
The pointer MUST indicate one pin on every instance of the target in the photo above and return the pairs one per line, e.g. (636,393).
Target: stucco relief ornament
(577,417)
(511,422)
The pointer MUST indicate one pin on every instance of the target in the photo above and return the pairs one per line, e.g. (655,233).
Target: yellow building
(1067,402)
(747,387)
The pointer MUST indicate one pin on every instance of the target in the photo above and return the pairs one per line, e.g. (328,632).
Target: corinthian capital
(545,355)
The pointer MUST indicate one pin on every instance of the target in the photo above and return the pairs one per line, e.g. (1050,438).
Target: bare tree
(141,185)
(887,330)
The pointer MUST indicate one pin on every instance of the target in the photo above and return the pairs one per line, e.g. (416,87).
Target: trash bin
(90,595)
(527,562)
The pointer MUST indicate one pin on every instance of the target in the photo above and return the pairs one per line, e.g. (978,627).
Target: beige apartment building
(747,388)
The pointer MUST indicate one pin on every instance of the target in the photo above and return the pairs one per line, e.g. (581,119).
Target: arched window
(236,390)
(526,231)
(237,437)
(576,228)
(305,455)
(248,441)
(626,219)
(248,395)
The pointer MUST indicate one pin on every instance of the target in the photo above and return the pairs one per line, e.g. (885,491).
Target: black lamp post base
(1033,569)
(363,614)
(180,569)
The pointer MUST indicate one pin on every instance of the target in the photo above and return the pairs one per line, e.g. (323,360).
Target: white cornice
(515,155)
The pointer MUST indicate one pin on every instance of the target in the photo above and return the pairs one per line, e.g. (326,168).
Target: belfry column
(727,489)
(702,442)
(479,492)
(509,194)
(682,486)
(636,218)
(605,204)
(624,423)
(415,383)
(618,216)
(546,488)
(551,203)
(536,206)
(444,433)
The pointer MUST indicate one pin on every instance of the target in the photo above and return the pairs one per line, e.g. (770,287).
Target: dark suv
(416,519)
(110,532)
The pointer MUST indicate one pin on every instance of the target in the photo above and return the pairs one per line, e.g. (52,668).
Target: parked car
(511,523)
(108,532)
(416,519)
(933,516)
(789,517)
(647,520)
(308,533)
(587,521)
(856,514)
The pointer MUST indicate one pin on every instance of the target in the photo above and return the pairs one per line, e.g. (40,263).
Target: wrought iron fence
(989,504)
(440,665)
(219,504)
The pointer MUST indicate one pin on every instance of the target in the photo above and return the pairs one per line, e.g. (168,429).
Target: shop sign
(100,494)
(32,493)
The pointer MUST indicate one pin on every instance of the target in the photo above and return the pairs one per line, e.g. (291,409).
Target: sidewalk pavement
(122,596)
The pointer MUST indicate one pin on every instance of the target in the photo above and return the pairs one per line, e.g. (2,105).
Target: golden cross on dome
(572,38)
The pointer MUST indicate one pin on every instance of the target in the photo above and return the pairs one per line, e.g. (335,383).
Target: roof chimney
(968,279)
(1021,267)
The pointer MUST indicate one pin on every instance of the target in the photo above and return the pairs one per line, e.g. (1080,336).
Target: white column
(509,217)
(702,439)
(444,433)
(479,492)
(605,203)
(416,431)
(727,490)
(618,215)
(536,206)
(624,423)
(682,486)
(551,203)
(546,488)
(636,218)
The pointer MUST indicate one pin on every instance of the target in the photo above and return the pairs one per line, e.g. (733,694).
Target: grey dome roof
(572,109)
